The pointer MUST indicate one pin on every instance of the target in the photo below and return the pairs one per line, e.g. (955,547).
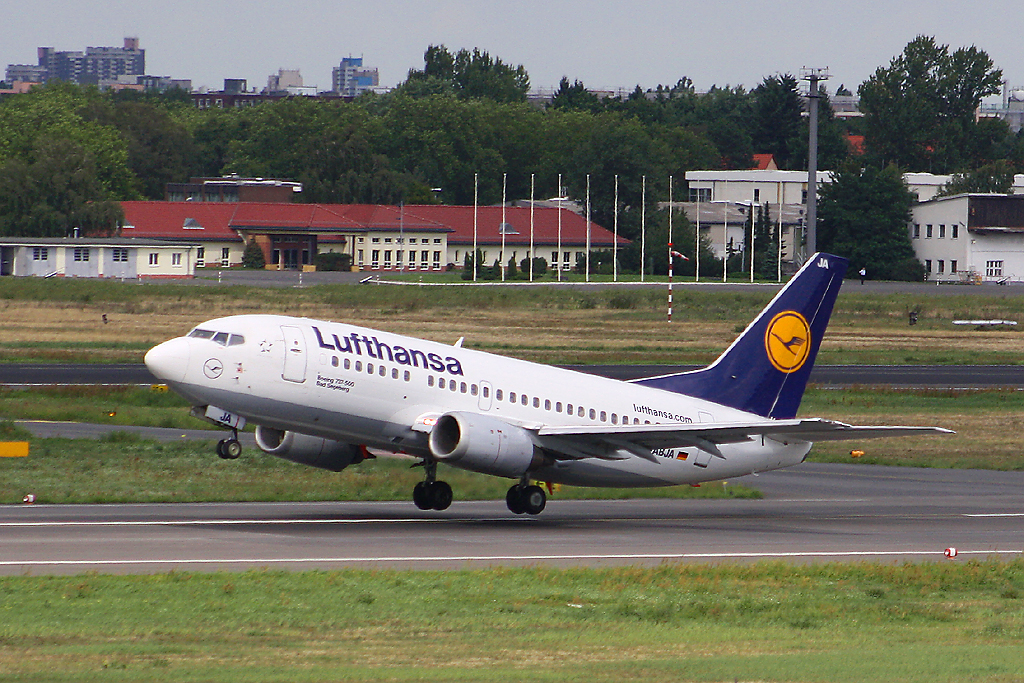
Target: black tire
(232,449)
(421,496)
(440,495)
(534,499)
(514,500)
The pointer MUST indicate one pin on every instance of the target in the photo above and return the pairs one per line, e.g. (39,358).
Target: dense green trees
(863,215)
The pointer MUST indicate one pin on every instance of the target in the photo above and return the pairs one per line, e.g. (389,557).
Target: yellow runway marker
(13,449)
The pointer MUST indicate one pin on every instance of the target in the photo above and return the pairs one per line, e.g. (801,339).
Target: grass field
(51,320)
(770,621)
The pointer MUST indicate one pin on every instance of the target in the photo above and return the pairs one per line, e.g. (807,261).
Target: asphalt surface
(934,376)
(810,513)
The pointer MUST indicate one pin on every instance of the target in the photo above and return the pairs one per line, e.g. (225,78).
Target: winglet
(766,368)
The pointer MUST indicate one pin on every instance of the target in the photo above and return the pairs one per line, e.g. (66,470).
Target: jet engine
(483,444)
(308,450)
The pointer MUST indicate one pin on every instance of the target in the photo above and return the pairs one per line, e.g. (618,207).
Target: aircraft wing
(602,441)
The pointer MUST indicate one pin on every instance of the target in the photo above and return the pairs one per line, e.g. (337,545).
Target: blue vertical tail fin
(766,368)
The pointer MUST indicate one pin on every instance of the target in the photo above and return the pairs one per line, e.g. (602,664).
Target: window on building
(176,259)
(942,266)
(700,194)
(225,256)
(154,258)
(387,258)
(993,268)
(119,255)
(359,256)
(81,254)
(952,266)
(917,231)
(437,259)
(375,258)
(942,231)
(201,256)
(928,265)
(40,254)
(954,231)
(757,195)
(928,231)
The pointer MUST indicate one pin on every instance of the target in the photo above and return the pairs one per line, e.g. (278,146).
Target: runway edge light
(950,553)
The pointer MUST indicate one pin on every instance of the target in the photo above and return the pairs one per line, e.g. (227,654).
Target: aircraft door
(485,395)
(294,354)
(702,458)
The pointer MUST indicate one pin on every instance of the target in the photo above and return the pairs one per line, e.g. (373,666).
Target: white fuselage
(373,388)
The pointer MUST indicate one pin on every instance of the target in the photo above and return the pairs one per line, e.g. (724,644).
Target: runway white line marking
(506,558)
(219,522)
(995,514)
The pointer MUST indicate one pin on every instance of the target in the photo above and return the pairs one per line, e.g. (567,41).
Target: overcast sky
(605,44)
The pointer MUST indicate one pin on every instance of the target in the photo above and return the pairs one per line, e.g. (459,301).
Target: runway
(810,513)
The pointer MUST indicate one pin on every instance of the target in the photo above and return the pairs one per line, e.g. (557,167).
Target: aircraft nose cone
(169,361)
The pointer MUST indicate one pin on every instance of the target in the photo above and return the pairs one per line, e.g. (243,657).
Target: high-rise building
(92,66)
(351,78)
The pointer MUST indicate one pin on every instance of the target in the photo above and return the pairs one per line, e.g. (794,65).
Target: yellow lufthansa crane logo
(788,341)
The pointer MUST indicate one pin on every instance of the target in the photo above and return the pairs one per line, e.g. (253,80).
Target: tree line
(68,154)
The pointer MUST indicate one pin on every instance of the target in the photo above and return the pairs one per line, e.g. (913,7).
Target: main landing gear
(432,494)
(230,449)
(524,498)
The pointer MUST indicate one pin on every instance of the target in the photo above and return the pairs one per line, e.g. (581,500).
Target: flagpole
(476,185)
(588,228)
(532,255)
(670,249)
(643,224)
(504,178)
(615,244)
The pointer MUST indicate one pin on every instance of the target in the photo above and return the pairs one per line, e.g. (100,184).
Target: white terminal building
(975,237)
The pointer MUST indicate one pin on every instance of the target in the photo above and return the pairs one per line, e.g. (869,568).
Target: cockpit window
(201,334)
(236,340)
(221,338)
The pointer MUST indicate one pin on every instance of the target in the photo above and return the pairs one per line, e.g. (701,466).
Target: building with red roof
(377,237)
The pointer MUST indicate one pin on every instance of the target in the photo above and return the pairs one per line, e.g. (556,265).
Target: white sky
(605,43)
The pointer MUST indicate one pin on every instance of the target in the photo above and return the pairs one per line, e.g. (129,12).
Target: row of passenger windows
(371,369)
(523,399)
(462,387)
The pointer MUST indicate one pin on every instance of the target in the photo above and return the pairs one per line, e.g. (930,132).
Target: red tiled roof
(221,221)
(765,162)
(179,220)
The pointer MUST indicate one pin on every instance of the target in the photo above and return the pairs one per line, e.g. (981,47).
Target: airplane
(322,393)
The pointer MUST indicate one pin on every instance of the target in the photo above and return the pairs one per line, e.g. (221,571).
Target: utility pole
(813,76)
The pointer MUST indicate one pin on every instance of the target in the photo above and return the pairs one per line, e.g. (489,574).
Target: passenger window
(524,399)
(473,389)
(382,371)
(604,416)
(615,419)
(394,373)
(487,392)
(497,394)
(463,388)
(359,366)
(334,361)
(579,411)
(221,338)
(236,340)
(568,409)
(511,397)
(430,380)
(408,375)
(452,385)
(593,414)
(348,364)
(536,402)
(369,368)
(558,406)
(440,382)
(547,404)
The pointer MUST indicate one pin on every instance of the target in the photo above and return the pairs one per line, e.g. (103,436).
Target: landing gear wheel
(440,495)
(421,496)
(229,449)
(514,500)
(534,499)
(432,495)
(526,499)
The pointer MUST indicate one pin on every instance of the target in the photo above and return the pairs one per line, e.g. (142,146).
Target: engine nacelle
(308,450)
(483,444)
